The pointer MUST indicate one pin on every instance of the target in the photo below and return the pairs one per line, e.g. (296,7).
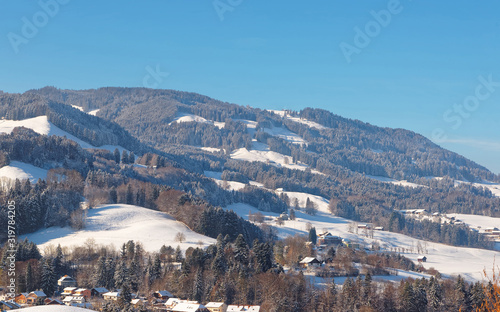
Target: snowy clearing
(117,224)
(474,221)
(395,182)
(493,187)
(286,135)
(22,171)
(260,152)
(42,126)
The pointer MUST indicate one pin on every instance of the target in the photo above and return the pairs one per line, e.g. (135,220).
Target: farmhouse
(162,295)
(22,298)
(309,262)
(328,239)
(422,259)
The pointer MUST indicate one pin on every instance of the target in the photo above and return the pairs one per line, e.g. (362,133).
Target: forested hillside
(183,135)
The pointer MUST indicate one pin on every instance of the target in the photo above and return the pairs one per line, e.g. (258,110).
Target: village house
(111,296)
(216,306)
(98,292)
(162,295)
(21,298)
(328,239)
(309,262)
(68,291)
(173,302)
(66,281)
(70,300)
(35,297)
(189,307)
(83,292)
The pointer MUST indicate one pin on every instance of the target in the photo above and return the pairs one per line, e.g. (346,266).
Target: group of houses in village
(71,295)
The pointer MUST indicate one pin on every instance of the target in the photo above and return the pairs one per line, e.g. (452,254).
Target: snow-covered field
(393,181)
(474,221)
(22,171)
(260,152)
(117,224)
(40,125)
(449,260)
(54,308)
(493,187)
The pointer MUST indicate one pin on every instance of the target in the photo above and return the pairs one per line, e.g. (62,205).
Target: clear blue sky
(428,57)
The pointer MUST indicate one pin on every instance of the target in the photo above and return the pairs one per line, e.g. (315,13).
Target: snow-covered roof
(112,294)
(65,278)
(188,307)
(70,288)
(101,290)
(214,304)
(164,293)
(81,289)
(37,293)
(308,260)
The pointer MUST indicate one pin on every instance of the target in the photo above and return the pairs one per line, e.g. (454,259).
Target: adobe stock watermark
(11,248)
(154,77)
(363,36)
(31,27)
(223,6)
(456,115)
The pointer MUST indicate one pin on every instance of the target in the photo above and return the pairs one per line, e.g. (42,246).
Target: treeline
(45,203)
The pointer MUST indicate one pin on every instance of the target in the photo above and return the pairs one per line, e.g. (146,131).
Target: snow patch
(55,308)
(94,112)
(117,224)
(22,171)
(395,182)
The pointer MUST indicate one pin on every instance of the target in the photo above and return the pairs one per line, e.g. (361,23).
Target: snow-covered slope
(475,221)
(40,125)
(22,171)
(493,187)
(449,260)
(117,224)
(54,308)
(260,152)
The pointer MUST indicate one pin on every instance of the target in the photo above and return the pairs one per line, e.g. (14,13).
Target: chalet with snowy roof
(236,308)
(36,297)
(111,296)
(328,239)
(67,281)
(379,228)
(9,305)
(216,306)
(21,298)
(70,300)
(137,302)
(189,307)
(68,291)
(162,295)
(98,291)
(83,292)
(422,259)
(309,262)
